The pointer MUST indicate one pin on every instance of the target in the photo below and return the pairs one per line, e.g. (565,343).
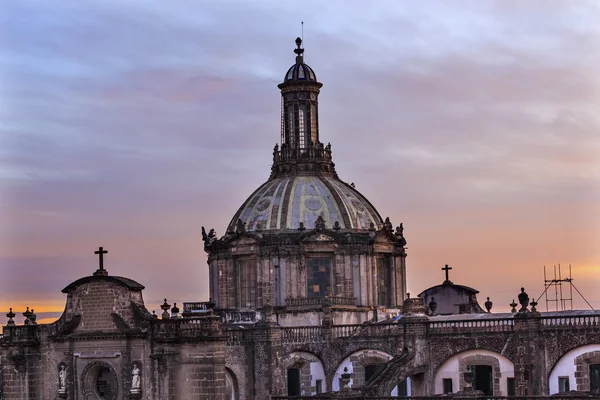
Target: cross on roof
(101,252)
(447,269)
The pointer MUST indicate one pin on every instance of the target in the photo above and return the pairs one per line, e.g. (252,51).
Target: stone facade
(104,333)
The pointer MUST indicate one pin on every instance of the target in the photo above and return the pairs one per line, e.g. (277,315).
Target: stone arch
(356,363)
(232,388)
(89,377)
(311,369)
(574,367)
(455,366)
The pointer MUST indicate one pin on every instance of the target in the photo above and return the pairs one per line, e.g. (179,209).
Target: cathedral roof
(300,72)
(128,283)
(285,202)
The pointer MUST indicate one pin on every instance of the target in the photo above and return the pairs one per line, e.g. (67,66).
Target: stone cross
(101,252)
(447,269)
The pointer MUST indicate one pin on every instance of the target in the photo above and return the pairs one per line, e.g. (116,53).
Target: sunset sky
(131,124)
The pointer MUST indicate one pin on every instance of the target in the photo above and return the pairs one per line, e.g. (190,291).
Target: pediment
(384,238)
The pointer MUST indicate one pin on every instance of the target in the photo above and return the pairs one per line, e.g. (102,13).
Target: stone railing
(309,153)
(302,334)
(234,336)
(187,328)
(462,326)
(320,301)
(195,307)
(20,333)
(571,322)
(307,334)
(374,330)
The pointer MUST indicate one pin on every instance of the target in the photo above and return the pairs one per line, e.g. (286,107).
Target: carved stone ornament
(320,224)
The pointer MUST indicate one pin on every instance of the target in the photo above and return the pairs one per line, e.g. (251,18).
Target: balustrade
(569,322)
(310,153)
(465,326)
(320,301)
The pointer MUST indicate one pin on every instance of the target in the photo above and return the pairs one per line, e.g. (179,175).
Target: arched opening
(363,365)
(106,384)
(231,385)
(99,381)
(490,372)
(305,375)
(578,369)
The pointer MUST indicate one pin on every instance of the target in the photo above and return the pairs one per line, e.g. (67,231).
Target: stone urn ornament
(533,304)
(345,380)
(514,306)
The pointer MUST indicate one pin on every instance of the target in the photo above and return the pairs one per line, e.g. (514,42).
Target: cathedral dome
(285,202)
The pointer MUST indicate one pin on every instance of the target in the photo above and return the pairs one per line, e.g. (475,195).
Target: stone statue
(208,239)
(135,379)
(400,230)
(240,227)
(523,300)
(62,378)
(488,305)
(387,225)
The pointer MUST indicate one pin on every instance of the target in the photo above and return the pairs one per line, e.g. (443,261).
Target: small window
(510,387)
(319,386)
(563,384)
(447,384)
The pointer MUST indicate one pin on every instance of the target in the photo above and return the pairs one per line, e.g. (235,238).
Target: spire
(300,150)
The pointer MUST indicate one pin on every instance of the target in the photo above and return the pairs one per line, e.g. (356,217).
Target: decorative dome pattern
(300,72)
(283,203)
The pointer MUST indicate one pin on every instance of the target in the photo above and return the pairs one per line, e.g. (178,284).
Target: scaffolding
(561,300)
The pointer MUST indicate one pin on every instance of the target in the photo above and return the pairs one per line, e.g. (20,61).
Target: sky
(131,125)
